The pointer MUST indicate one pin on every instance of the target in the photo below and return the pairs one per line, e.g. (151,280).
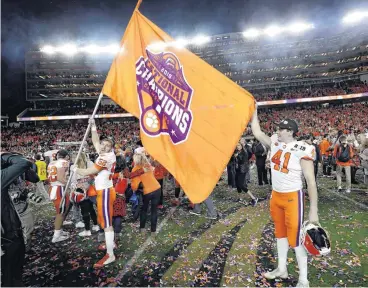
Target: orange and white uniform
(287,199)
(106,195)
(58,172)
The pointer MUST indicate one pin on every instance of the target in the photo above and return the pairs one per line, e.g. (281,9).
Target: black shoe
(254,202)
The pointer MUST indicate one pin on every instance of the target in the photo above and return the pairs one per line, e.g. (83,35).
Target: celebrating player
(57,175)
(290,159)
(104,169)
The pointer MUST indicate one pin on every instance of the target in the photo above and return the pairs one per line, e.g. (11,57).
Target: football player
(57,175)
(103,169)
(290,160)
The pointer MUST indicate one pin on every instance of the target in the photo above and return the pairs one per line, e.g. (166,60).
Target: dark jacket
(12,166)
(318,153)
(242,160)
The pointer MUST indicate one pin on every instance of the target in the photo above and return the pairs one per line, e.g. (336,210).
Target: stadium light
(68,49)
(251,33)
(181,43)
(48,49)
(92,49)
(299,27)
(273,30)
(355,17)
(200,40)
(113,48)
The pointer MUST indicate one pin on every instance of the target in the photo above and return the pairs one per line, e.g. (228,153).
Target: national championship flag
(191,116)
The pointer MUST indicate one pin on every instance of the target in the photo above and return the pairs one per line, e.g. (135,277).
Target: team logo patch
(164,96)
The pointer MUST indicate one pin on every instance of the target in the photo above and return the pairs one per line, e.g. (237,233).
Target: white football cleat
(80,224)
(276,274)
(95,228)
(302,284)
(85,233)
(107,259)
(59,238)
(66,222)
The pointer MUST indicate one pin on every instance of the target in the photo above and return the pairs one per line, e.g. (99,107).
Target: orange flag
(191,115)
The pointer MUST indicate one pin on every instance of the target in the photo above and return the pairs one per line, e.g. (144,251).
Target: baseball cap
(289,124)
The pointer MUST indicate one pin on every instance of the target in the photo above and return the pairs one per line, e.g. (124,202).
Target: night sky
(35,23)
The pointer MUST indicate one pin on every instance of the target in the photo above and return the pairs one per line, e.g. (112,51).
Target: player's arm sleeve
(257,132)
(309,153)
(100,164)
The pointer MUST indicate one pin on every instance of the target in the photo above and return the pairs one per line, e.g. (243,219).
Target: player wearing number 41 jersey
(103,168)
(290,160)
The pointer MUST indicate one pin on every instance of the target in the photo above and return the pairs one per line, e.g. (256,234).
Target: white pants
(347,174)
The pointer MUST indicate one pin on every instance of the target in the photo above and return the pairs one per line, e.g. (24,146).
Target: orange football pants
(105,206)
(287,211)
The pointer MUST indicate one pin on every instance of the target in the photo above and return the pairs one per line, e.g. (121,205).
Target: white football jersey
(285,164)
(51,154)
(107,162)
(57,172)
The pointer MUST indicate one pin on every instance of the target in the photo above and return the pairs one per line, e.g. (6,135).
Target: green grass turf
(188,249)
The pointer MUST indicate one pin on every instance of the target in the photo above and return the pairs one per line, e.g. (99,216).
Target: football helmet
(315,239)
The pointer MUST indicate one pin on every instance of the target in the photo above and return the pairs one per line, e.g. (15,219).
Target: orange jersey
(323,146)
(150,184)
(58,172)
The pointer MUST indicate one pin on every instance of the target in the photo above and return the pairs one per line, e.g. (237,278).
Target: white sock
(109,238)
(282,251)
(302,258)
(57,233)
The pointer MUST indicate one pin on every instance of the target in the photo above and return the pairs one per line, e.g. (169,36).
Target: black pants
(117,223)
(262,174)
(88,212)
(154,198)
(240,181)
(315,169)
(231,175)
(12,262)
(161,181)
(177,192)
(270,172)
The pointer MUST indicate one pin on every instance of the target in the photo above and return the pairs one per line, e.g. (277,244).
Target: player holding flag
(104,168)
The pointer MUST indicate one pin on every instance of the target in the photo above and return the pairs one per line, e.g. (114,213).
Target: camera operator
(12,240)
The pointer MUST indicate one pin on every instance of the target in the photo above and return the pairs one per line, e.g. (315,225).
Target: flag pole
(80,149)
(138,4)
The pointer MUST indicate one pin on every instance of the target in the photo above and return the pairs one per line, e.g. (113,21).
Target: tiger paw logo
(164,96)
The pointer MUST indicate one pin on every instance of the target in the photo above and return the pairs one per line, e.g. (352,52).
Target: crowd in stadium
(82,107)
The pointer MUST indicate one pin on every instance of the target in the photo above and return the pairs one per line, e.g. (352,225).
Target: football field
(195,251)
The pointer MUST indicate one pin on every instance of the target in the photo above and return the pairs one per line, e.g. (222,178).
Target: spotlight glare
(299,27)
(273,30)
(48,49)
(355,17)
(251,33)
(200,40)
(68,49)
